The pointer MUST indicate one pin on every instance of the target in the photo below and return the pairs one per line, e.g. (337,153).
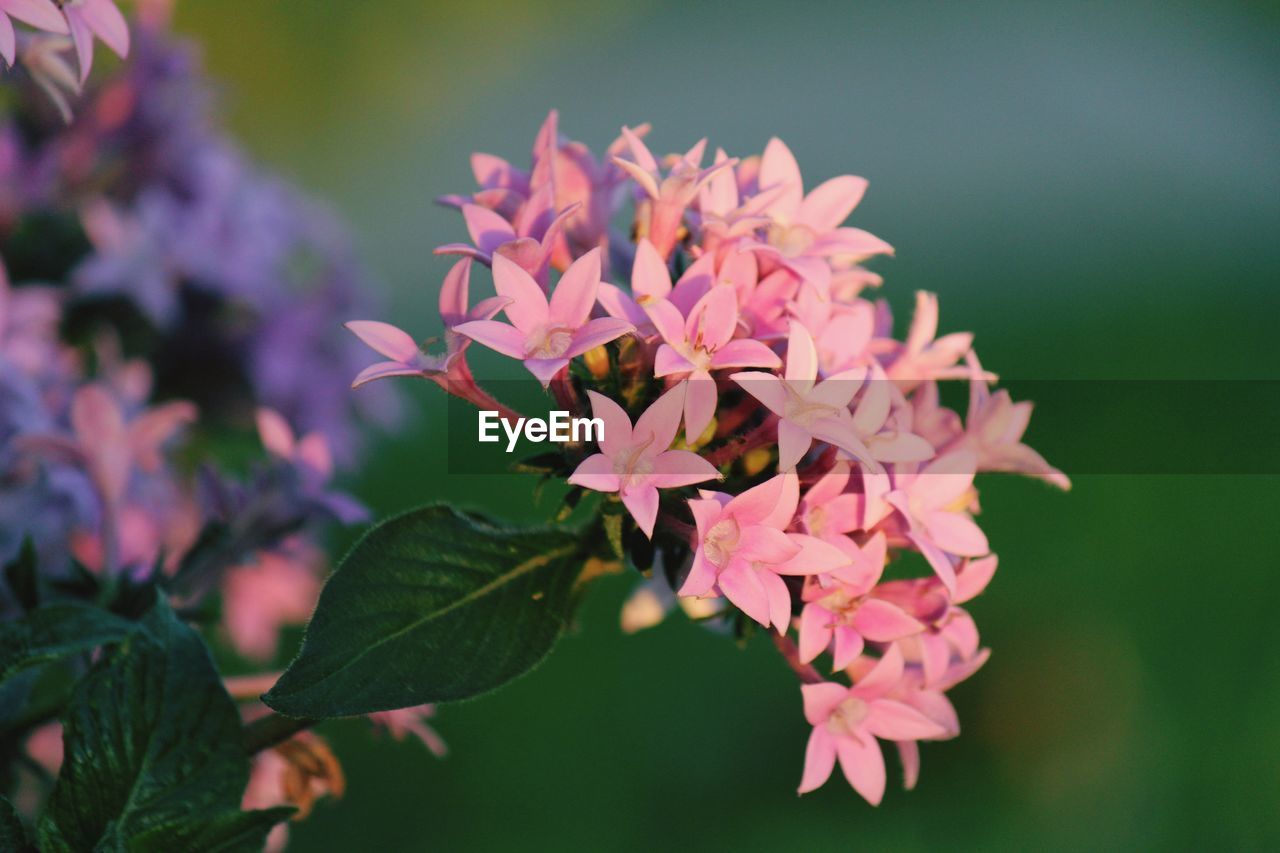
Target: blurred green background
(1093,188)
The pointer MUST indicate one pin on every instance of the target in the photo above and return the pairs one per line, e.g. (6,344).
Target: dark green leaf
(21,576)
(54,631)
(13,835)
(230,831)
(152,745)
(434,605)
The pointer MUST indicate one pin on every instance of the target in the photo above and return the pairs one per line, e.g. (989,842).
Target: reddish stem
(787,648)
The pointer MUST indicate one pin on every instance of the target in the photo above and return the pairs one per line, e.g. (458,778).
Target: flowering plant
(771,454)
(174,406)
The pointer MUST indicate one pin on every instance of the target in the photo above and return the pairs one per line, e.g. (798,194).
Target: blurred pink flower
(274,589)
(403,722)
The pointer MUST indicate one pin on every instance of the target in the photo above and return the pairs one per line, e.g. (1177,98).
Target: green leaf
(21,575)
(434,605)
(152,745)
(55,631)
(13,835)
(230,831)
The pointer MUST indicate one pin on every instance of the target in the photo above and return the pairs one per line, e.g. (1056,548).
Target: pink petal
(956,534)
(642,503)
(863,765)
(596,472)
(778,167)
(819,758)
(882,622)
(313,451)
(744,353)
(702,575)
(742,586)
(387,340)
(909,755)
(384,370)
(837,391)
(758,543)
(82,38)
(528,308)
(850,242)
(830,203)
(848,646)
(617,303)
(699,404)
(815,631)
(275,432)
(945,480)
(766,388)
(938,560)
(40,14)
(896,721)
(545,369)
(617,426)
(667,361)
(453,293)
(105,19)
(802,358)
(667,319)
(662,419)
(816,556)
(974,577)
(779,600)
(8,40)
(596,333)
(759,504)
(499,337)
(714,319)
(575,294)
(820,700)
(793,443)
(676,468)
(649,274)
(640,176)
(883,677)
(488,230)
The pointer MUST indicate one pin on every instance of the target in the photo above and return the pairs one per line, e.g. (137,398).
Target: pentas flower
(528,239)
(403,722)
(698,341)
(637,462)
(670,195)
(651,283)
(842,332)
(41,14)
(546,335)
(807,409)
(406,358)
(274,589)
(846,722)
(921,356)
(840,609)
(743,551)
(89,18)
(882,422)
(934,504)
(805,233)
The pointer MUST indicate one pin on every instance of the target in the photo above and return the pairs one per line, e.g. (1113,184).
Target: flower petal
(499,337)
(575,294)
(528,309)
(819,759)
(616,436)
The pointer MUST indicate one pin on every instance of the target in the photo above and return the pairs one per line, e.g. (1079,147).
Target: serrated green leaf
(434,605)
(152,745)
(55,631)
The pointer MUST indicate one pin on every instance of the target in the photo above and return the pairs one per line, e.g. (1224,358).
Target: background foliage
(1092,188)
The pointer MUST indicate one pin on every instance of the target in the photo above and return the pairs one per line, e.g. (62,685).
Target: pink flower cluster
(727,334)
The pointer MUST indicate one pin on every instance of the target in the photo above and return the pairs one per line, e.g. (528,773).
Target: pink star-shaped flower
(636,462)
(546,335)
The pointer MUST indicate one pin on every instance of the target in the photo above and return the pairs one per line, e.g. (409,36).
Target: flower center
(632,464)
(791,240)
(721,541)
(847,717)
(551,342)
